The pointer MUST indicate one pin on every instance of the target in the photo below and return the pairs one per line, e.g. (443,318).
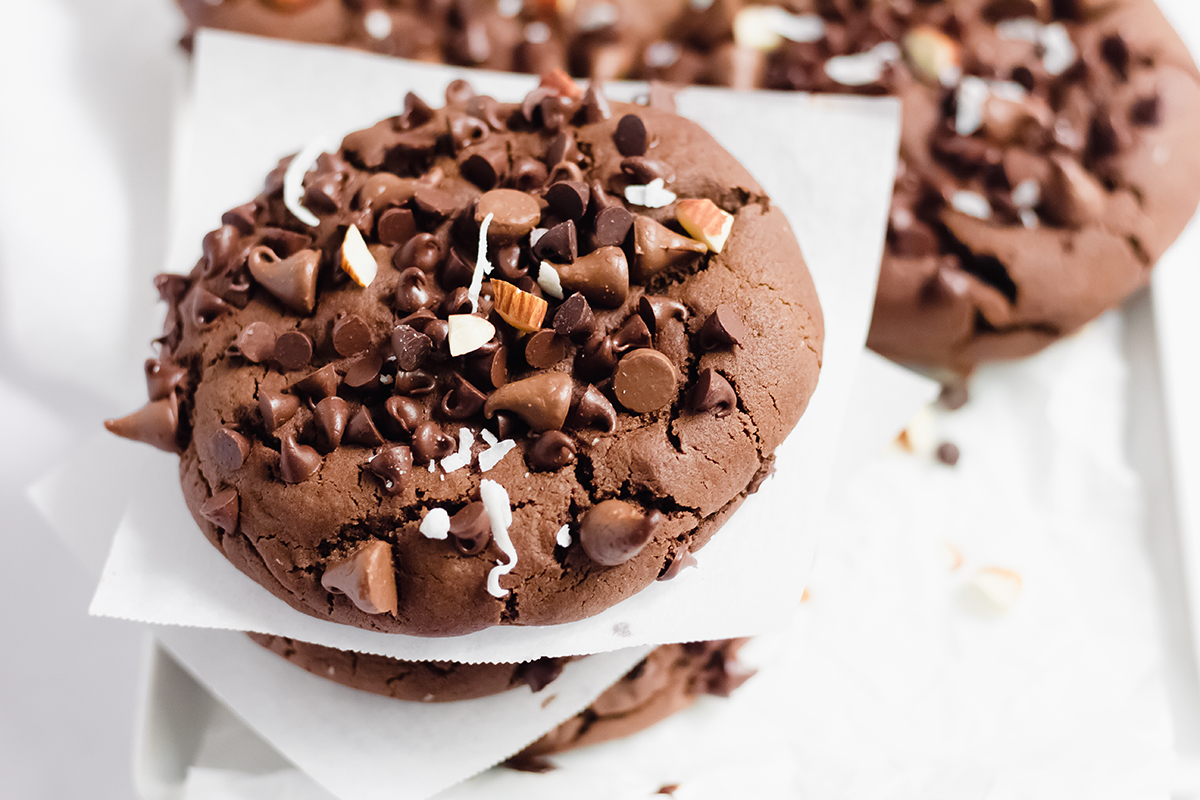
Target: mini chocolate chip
(316,385)
(256,342)
(331,415)
(558,244)
(411,291)
(367,577)
(361,429)
(948,453)
(407,413)
(645,380)
(292,281)
(222,509)
(612,227)
(655,310)
(395,226)
(422,251)
(541,400)
(592,408)
(431,443)
(297,462)
(162,378)
(595,106)
(391,464)
(574,318)
(463,400)
(276,408)
(631,335)
(553,450)
(411,347)
(602,276)
(471,528)
(293,350)
(363,371)
(544,349)
(681,561)
(229,449)
(156,424)
(630,136)
(644,170)
(614,531)
(351,336)
(723,328)
(712,392)
(568,199)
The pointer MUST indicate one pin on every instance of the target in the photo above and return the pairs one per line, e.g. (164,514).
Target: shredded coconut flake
(661,54)
(596,17)
(509,8)
(436,524)
(488,438)
(549,281)
(493,455)
(1023,29)
(482,267)
(973,204)
(653,195)
(1026,194)
(862,68)
(563,537)
(496,504)
(378,24)
(537,33)
(1059,49)
(972,94)
(293,180)
(463,457)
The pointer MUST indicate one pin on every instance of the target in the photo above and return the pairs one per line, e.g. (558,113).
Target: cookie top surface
(385,435)
(1047,157)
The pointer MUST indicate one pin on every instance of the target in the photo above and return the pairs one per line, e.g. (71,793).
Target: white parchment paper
(826,161)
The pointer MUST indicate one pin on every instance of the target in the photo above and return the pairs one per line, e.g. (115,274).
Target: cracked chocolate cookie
(1047,158)
(667,681)
(485,364)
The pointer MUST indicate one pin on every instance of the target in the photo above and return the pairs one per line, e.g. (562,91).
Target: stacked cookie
(1046,162)
(490,364)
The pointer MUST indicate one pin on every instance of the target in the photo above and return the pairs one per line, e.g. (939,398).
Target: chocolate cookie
(668,680)
(487,364)
(1047,156)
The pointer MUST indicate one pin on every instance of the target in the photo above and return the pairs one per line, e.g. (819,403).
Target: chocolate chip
(643,170)
(162,378)
(574,318)
(411,347)
(632,334)
(463,400)
(1146,111)
(406,412)
(612,227)
(596,360)
(423,251)
(471,528)
(292,281)
(954,395)
(630,136)
(602,276)
(553,450)
(256,342)
(485,167)
(384,191)
(513,213)
(435,201)
(656,310)
(723,328)
(171,288)
(205,306)
(527,174)
(488,368)
(351,335)
(561,148)
(391,464)
(568,199)
(431,443)
(412,293)
(645,381)
(297,462)
(395,226)
(558,244)
(361,429)
(455,271)
(539,674)
(681,561)
(275,408)
(222,509)
(155,423)
(229,449)
(415,382)
(712,392)
(657,247)
(1115,51)
(240,218)
(592,409)
(331,415)
(364,371)
(367,577)
(544,349)
(595,106)
(541,400)
(293,350)
(614,531)
(948,453)
(316,385)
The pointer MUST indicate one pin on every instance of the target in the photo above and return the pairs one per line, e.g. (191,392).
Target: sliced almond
(705,221)
(467,333)
(357,260)
(517,307)
(933,56)
(1000,587)
(560,82)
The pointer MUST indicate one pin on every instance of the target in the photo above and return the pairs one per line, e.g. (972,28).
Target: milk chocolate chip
(256,343)
(655,310)
(712,392)
(513,213)
(657,247)
(593,409)
(297,462)
(544,349)
(615,531)
(222,509)
(601,276)
(431,443)
(553,450)
(723,328)
(276,408)
(630,136)
(645,380)
(229,449)
(155,423)
(361,429)
(293,280)
(391,464)
(366,576)
(541,400)
(331,415)
(162,378)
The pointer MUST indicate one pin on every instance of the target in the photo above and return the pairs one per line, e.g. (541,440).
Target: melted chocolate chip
(681,561)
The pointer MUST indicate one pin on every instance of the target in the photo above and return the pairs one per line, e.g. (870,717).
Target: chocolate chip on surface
(229,449)
(552,450)
(541,400)
(156,424)
(331,415)
(723,328)
(601,276)
(293,350)
(471,528)
(351,335)
(361,429)
(712,392)
(297,462)
(514,214)
(276,408)
(317,384)
(366,576)
(390,465)
(544,349)
(574,318)
(410,346)
(256,342)
(292,281)
(614,531)
(222,509)
(645,381)
(630,136)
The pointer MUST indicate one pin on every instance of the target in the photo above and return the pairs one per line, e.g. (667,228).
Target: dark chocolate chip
(568,199)
(361,429)
(656,310)
(297,462)
(561,148)
(592,409)
(331,416)
(395,226)
(488,366)
(630,136)
(229,449)
(1146,111)
(681,561)
(411,347)
(364,371)
(241,218)
(206,306)
(544,349)
(351,335)
(406,412)
(614,531)
(412,292)
(539,674)
(391,464)
(633,334)
(596,360)
(435,201)
(723,328)
(558,244)
(463,400)
(574,318)
(612,227)
(414,383)
(276,408)
(455,271)
(423,251)
(485,167)
(431,443)
(1115,52)
(645,380)
(527,174)
(712,392)
(553,450)
(256,342)
(162,377)
(471,528)
(595,106)
(644,170)
(316,385)
(293,350)
(222,509)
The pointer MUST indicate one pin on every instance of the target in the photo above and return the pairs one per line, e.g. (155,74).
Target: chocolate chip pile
(1047,157)
(376,360)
